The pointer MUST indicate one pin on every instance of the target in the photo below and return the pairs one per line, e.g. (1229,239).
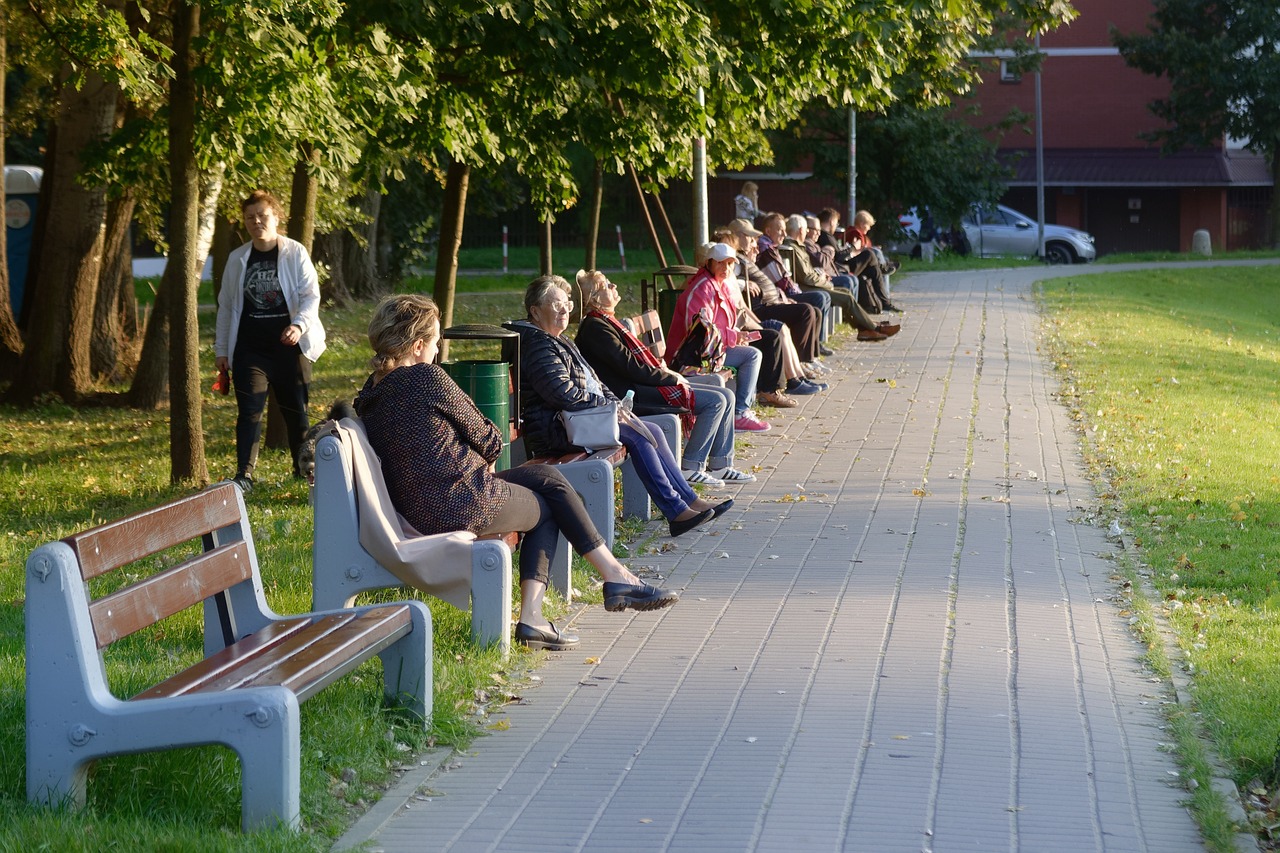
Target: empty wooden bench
(244,694)
(361,544)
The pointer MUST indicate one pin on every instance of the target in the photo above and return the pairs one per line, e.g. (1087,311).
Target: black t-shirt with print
(266,314)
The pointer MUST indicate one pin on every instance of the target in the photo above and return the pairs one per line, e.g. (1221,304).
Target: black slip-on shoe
(554,640)
(621,596)
(679,528)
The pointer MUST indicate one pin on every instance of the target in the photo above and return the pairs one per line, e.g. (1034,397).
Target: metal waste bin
(664,298)
(488,382)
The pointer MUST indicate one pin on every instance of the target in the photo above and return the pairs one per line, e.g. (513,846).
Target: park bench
(244,694)
(361,544)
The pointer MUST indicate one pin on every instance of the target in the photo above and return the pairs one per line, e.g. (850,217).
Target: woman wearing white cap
(708,289)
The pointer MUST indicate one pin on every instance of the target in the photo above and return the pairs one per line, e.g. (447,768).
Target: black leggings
(542,505)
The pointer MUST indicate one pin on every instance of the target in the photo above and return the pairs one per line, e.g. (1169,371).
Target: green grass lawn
(1174,379)
(65,469)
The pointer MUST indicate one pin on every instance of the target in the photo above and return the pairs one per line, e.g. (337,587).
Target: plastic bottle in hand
(629,401)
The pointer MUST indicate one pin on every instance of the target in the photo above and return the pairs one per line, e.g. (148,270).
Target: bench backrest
(647,326)
(356,521)
(215,517)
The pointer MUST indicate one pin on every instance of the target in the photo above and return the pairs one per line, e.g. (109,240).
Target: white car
(995,230)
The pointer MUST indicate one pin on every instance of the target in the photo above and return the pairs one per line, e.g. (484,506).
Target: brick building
(1099,174)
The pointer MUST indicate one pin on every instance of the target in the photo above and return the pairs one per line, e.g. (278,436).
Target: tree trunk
(329,251)
(226,236)
(186,436)
(150,388)
(10,337)
(302,196)
(544,243)
(451,220)
(109,347)
(359,250)
(1274,213)
(593,225)
(56,358)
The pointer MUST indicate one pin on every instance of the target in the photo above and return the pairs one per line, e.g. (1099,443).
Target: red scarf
(678,396)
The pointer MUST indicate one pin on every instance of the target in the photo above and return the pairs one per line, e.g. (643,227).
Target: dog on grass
(307,452)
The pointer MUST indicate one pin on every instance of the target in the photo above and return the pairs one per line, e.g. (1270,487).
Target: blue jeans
(712,429)
(747,362)
(821,300)
(658,469)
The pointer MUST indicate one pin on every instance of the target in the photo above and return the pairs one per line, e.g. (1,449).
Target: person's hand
(291,335)
(222,363)
(753,289)
(680,379)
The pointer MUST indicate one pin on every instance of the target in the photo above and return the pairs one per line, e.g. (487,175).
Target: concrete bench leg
(491,594)
(407,666)
(635,499)
(270,774)
(592,479)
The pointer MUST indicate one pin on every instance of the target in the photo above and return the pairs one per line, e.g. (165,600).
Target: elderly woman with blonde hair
(555,377)
(625,364)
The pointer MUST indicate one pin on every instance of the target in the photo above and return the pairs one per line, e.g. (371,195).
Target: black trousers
(287,373)
(804,321)
(770,346)
(542,504)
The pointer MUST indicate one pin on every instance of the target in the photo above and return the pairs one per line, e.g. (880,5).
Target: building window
(1007,74)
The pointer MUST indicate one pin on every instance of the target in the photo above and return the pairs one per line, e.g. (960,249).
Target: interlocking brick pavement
(900,639)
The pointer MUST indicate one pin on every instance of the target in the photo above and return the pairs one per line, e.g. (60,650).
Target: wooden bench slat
(151,531)
(191,680)
(168,592)
(337,653)
(306,658)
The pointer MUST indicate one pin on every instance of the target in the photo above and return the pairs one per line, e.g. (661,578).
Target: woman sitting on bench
(624,363)
(554,377)
(437,453)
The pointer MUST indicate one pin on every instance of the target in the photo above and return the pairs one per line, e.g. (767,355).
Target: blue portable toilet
(22,189)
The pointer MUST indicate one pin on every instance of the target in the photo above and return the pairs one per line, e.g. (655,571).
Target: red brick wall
(1088,101)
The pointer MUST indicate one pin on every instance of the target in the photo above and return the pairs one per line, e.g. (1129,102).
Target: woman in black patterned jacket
(437,453)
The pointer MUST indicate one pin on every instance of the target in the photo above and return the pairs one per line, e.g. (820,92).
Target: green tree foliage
(909,156)
(1222,61)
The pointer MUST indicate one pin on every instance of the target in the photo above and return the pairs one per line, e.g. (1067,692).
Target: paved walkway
(900,639)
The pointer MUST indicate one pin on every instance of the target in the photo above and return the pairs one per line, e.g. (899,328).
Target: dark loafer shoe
(621,596)
(679,528)
(721,508)
(554,640)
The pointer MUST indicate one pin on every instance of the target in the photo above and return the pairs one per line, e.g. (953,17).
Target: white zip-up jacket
(301,288)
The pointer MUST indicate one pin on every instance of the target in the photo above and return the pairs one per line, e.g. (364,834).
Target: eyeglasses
(557,307)
(610,285)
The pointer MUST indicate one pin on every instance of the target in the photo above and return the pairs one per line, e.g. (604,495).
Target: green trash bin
(488,384)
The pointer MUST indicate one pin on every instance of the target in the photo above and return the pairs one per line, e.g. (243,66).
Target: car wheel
(1059,253)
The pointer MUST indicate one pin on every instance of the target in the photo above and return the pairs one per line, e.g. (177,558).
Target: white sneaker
(817,367)
(701,478)
(733,475)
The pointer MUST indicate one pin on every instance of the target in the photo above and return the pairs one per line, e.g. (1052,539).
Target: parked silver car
(995,230)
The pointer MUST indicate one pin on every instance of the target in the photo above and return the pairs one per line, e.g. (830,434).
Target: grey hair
(536,292)
(796,223)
